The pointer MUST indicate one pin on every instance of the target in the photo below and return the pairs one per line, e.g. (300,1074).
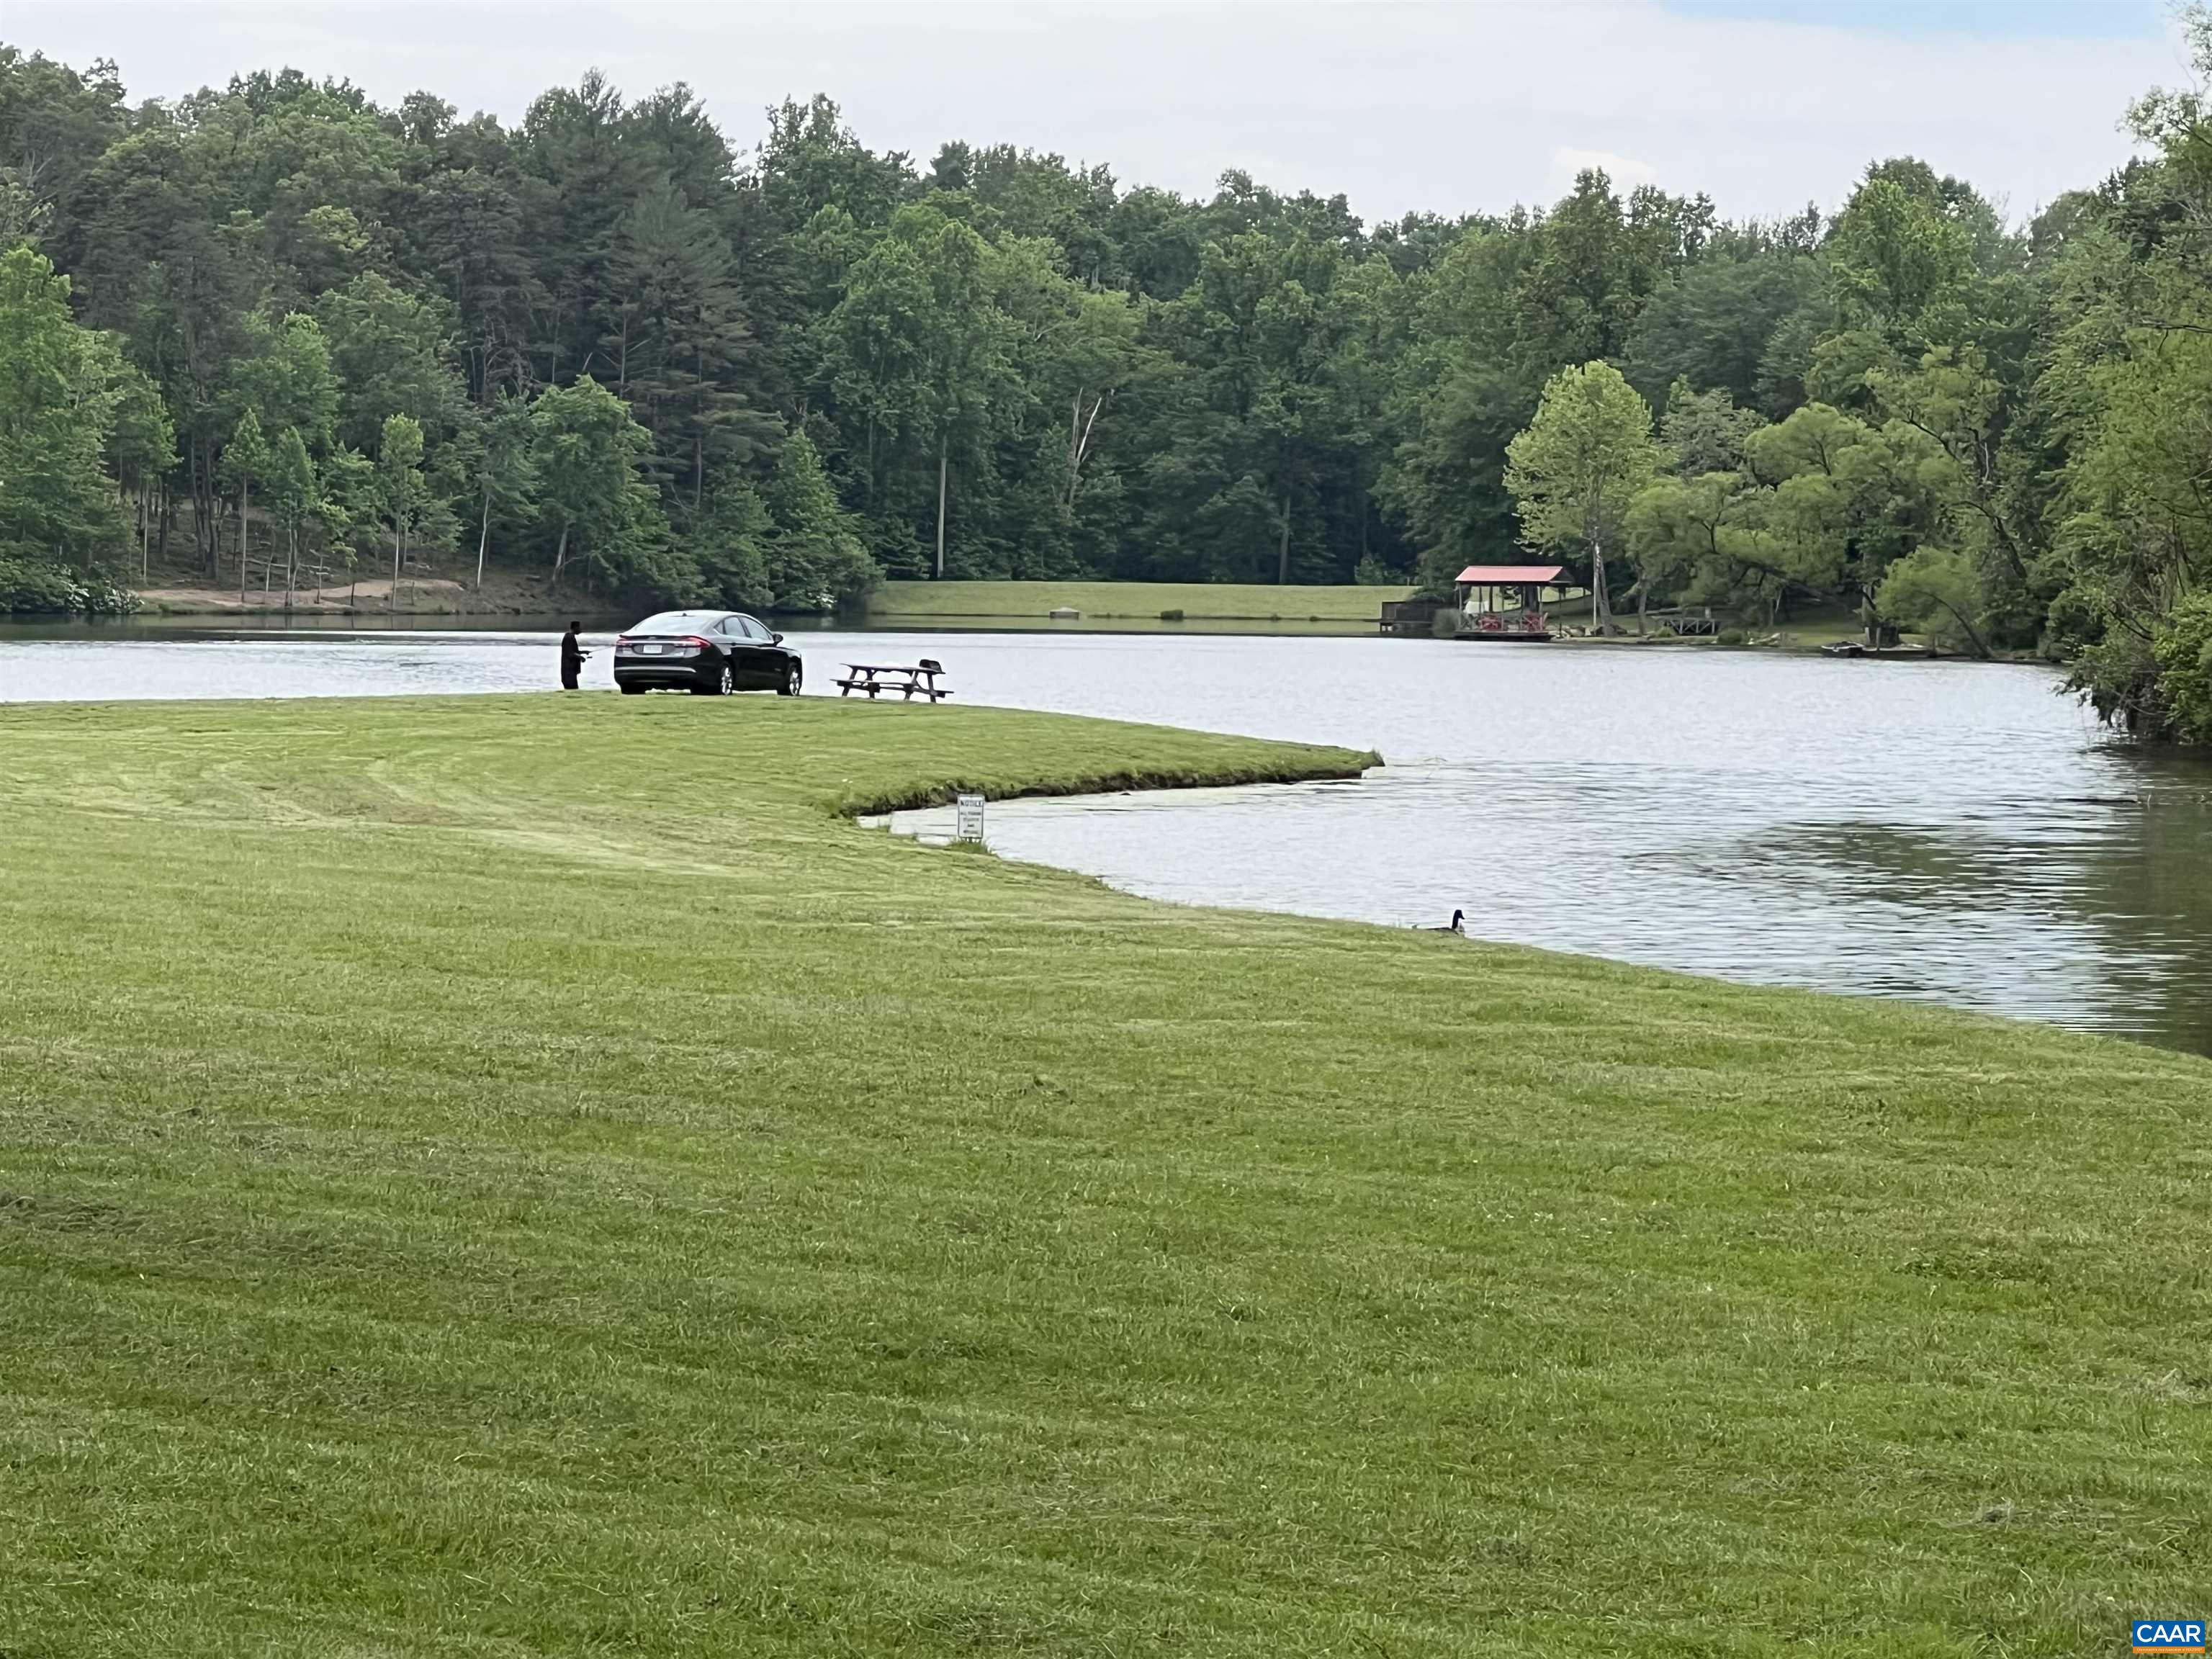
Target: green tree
(679,337)
(505,469)
(400,490)
(1734,323)
(245,460)
(1708,528)
(141,445)
(813,560)
(388,349)
(587,451)
(1937,591)
(59,393)
(55,124)
(2183,649)
(1847,501)
(348,511)
(1446,476)
(295,497)
(811,160)
(164,255)
(289,380)
(1705,431)
(1579,465)
(921,352)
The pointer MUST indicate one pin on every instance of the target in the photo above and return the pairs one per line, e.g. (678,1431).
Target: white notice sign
(968,821)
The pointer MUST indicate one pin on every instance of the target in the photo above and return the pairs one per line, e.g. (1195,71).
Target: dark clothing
(571,661)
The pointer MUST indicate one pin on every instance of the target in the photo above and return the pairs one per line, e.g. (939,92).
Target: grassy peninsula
(520,1175)
(894,602)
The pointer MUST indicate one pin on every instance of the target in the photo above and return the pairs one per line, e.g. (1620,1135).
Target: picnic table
(909,680)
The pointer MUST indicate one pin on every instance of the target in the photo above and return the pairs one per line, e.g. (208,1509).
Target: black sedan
(707,652)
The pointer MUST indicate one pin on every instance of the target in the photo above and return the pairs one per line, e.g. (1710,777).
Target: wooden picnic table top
(900,679)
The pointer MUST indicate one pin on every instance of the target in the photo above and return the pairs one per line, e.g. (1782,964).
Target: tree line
(277,331)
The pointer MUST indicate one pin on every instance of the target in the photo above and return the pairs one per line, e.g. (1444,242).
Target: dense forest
(278,332)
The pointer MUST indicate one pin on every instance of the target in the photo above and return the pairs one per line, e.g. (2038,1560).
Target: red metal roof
(1541,575)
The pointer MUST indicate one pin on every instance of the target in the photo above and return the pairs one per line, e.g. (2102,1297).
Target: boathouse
(1506,601)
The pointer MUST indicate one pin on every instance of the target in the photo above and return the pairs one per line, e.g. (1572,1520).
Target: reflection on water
(1943,832)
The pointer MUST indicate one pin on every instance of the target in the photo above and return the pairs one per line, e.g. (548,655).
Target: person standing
(572,657)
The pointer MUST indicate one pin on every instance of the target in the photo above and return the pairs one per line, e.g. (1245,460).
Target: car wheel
(793,677)
(723,681)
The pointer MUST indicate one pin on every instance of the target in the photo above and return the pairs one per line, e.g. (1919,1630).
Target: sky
(1764,105)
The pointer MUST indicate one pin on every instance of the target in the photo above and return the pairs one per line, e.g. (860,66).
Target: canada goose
(1458,925)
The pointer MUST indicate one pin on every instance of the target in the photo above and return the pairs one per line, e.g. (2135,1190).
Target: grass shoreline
(515,1174)
(915,797)
(896,601)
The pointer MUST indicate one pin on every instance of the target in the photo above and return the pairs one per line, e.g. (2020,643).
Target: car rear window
(678,622)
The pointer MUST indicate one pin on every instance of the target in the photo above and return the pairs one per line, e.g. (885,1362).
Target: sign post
(968,818)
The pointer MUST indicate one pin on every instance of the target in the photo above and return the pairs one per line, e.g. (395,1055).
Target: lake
(1948,832)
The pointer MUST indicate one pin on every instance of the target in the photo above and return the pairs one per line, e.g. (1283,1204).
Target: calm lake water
(1948,832)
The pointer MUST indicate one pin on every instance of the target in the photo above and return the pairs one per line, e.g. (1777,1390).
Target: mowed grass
(1139,601)
(519,1176)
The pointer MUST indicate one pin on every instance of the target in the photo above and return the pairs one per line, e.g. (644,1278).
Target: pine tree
(814,560)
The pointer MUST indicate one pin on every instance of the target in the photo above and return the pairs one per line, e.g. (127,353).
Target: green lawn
(518,1175)
(1145,601)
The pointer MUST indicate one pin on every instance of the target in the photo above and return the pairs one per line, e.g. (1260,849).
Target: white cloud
(1446,107)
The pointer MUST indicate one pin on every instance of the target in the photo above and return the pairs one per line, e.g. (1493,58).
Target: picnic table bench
(909,680)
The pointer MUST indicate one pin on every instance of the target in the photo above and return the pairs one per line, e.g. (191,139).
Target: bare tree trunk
(483,539)
(392,599)
(1981,646)
(1601,603)
(1082,443)
(291,564)
(203,525)
(1074,439)
(941,444)
(559,556)
(241,536)
(207,515)
(145,544)
(1283,549)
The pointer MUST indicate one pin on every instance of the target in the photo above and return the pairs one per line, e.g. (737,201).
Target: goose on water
(1457,924)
